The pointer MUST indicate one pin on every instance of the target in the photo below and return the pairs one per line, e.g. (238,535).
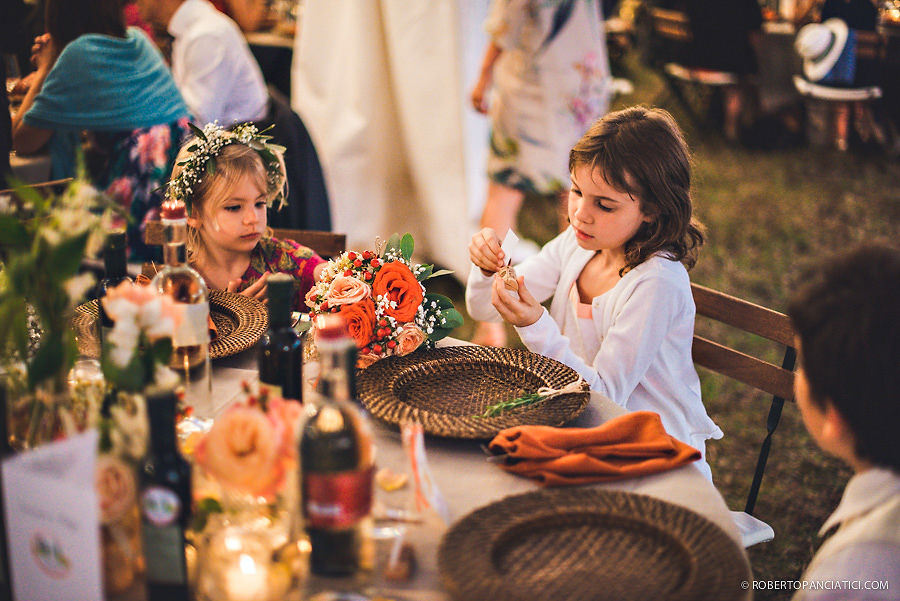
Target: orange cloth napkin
(144,280)
(631,445)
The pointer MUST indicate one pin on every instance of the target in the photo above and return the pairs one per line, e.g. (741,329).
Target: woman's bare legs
(500,212)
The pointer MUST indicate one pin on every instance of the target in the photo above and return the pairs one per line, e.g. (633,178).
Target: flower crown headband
(209,143)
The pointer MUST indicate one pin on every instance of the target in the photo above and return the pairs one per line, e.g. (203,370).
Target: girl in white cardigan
(622,313)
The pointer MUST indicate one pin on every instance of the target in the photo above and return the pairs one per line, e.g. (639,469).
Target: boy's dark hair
(67,20)
(642,152)
(847,316)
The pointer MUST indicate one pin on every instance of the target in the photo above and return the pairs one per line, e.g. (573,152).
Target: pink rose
(311,297)
(409,339)
(287,414)
(364,361)
(156,313)
(346,290)
(243,451)
(116,489)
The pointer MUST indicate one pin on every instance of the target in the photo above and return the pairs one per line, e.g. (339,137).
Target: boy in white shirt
(847,322)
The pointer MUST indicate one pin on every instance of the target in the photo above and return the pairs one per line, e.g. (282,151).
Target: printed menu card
(52,521)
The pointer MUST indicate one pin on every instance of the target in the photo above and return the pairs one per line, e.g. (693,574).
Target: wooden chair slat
(671,24)
(743,314)
(743,368)
(326,244)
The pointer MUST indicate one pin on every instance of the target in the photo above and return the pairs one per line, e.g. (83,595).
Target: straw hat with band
(820,45)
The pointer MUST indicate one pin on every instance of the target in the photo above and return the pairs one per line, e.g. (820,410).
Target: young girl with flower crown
(228,178)
(622,313)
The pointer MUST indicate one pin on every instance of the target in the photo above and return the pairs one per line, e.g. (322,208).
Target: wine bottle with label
(165,489)
(115,264)
(281,347)
(190,344)
(336,467)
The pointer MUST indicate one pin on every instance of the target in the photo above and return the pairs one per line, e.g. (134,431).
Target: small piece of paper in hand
(510,240)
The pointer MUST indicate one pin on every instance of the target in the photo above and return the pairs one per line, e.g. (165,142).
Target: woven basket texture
(240,322)
(583,544)
(447,389)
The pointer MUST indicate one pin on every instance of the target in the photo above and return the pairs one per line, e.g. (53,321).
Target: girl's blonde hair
(641,151)
(233,162)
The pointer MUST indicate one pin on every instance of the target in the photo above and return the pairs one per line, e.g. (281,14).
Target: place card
(53,521)
(510,241)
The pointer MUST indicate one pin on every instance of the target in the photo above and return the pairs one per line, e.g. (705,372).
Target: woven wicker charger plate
(582,544)
(444,389)
(240,322)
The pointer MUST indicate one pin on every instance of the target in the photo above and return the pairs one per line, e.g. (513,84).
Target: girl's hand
(522,310)
(258,289)
(43,52)
(485,251)
(478,97)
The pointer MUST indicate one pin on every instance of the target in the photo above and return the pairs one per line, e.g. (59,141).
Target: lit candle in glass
(247,580)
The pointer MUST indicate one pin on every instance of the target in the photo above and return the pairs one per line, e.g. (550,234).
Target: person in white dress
(544,79)
(622,313)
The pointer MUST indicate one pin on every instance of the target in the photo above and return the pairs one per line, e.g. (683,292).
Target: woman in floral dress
(547,66)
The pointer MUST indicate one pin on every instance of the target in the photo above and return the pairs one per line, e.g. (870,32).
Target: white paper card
(53,521)
(510,240)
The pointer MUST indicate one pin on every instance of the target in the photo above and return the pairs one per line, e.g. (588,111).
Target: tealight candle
(247,581)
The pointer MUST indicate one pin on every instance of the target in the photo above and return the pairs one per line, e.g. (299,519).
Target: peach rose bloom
(287,414)
(242,451)
(409,339)
(116,488)
(346,290)
(364,361)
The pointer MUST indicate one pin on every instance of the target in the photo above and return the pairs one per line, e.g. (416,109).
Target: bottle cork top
(173,209)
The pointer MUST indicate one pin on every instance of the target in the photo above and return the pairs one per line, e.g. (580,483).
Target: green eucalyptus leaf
(162,350)
(442,301)
(47,361)
(454,319)
(13,233)
(425,273)
(198,132)
(406,246)
(393,244)
(64,259)
(441,272)
(211,165)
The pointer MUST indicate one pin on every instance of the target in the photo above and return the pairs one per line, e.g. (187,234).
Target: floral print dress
(283,256)
(550,83)
(134,171)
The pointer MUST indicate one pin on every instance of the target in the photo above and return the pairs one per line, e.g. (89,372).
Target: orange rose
(360,321)
(409,339)
(398,285)
(116,488)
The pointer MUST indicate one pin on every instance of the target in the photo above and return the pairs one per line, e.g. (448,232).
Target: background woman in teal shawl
(104,85)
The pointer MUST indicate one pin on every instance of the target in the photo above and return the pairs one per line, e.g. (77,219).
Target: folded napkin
(145,280)
(631,445)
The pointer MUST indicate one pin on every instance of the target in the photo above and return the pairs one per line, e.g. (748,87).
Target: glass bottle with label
(190,352)
(115,264)
(336,467)
(165,485)
(281,347)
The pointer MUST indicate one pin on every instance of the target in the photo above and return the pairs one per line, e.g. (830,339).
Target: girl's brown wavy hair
(641,151)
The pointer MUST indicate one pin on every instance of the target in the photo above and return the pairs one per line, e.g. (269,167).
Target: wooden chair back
(758,373)
(672,25)
(326,244)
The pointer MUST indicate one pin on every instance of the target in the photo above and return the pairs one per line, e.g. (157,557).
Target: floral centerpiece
(43,240)
(381,294)
(248,491)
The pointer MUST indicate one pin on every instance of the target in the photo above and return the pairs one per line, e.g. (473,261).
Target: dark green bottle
(281,347)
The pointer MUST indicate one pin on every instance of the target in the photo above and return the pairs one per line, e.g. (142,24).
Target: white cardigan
(645,325)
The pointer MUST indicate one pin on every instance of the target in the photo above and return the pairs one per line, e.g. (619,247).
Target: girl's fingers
(233,286)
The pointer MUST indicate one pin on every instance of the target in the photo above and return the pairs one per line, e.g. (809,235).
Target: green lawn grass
(767,213)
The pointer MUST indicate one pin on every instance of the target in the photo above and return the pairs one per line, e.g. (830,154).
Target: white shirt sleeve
(202,77)
(541,273)
(631,344)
